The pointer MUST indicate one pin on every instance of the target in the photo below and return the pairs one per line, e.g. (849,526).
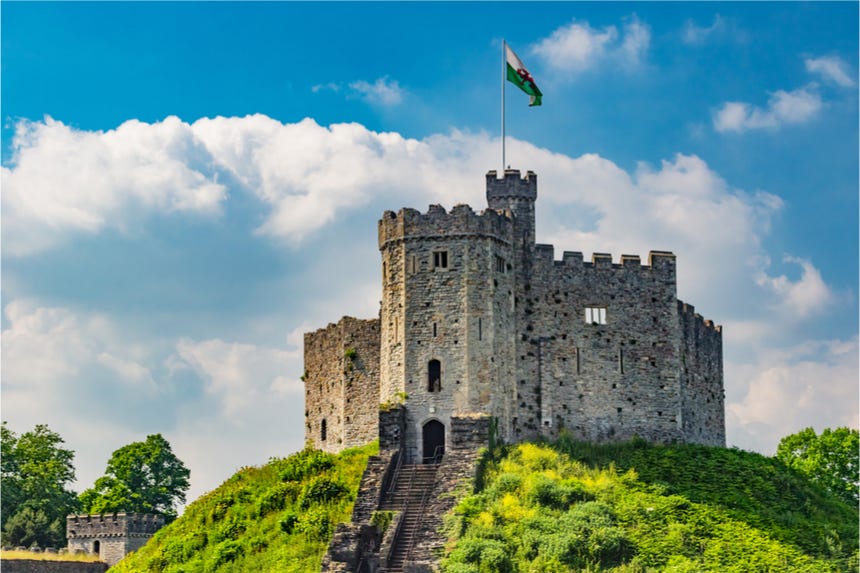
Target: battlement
(113,525)
(688,313)
(461,221)
(511,186)
(658,261)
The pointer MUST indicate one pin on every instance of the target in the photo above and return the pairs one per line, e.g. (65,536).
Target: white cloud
(382,92)
(240,375)
(577,46)
(810,384)
(697,35)
(64,179)
(802,298)
(784,108)
(831,68)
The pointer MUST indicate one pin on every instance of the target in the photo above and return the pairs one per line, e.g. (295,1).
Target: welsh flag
(520,76)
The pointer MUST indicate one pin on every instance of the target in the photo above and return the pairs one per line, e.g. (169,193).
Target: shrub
(319,490)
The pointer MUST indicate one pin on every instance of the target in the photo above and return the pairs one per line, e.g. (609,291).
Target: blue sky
(188,187)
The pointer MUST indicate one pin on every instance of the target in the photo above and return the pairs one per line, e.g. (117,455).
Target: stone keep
(111,536)
(476,318)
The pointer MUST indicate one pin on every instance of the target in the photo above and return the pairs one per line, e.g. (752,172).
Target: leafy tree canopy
(829,459)
(142,477)
(35,471)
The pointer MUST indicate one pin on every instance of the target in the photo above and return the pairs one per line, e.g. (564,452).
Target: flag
(520,76)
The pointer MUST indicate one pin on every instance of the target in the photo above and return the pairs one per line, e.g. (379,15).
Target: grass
(13,554)
(637,508)
(278,517)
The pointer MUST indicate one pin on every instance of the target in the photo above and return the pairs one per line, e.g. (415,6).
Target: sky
(187,188)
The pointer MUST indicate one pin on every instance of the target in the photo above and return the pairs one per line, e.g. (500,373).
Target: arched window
(323,430)
(97,546)
(434,376)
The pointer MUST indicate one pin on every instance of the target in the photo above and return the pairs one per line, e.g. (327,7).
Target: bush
(320,490)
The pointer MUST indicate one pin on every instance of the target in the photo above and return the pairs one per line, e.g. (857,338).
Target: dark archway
(97,547)
(434,376)
(434,441)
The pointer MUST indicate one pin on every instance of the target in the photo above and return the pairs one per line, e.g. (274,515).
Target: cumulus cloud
(577,46)
(832,69)
(802,298)
(784,108)
(63,179)
(809,384)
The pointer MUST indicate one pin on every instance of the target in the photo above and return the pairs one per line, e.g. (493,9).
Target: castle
(477,320)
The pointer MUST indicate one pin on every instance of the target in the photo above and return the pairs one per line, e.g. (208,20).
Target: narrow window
(480,333)
(595,315)
(384,273)
(434,376)
(323,430)
(434,330)
(440,260)
(621,360)
(413,264)
(576,350)
(500,264)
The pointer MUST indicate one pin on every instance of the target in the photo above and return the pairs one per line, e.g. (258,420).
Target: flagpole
(504,73)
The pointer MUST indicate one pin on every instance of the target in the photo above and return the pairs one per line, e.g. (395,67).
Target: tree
(35,471)
(142,477)
(830,460)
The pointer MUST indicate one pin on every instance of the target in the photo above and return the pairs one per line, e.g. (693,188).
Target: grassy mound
(278,517)
(637,507)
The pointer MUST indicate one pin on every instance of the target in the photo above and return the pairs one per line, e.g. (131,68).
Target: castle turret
(517,195)
(446,319)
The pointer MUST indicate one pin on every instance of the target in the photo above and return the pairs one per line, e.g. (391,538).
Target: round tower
(447,320)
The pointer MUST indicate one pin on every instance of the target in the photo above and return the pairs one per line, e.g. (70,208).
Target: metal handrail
(420,513)
(397,467)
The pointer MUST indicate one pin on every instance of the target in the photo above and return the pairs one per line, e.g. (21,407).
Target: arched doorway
(434,441)
(97,547)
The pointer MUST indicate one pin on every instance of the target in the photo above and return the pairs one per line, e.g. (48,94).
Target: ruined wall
(701,374)
(342,384)
(111,536)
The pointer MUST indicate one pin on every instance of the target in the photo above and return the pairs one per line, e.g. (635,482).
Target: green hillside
(637,507)
(278,517)
(567,506)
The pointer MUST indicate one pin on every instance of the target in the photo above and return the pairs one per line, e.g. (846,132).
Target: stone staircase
(410,493)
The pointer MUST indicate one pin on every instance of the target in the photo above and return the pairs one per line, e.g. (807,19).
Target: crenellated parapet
(688,315)
(460,222)
(659,262)
(113,525)
(511,186)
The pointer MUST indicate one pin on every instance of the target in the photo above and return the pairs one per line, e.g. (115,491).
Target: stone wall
(342,384)
(703,397)
(44,566)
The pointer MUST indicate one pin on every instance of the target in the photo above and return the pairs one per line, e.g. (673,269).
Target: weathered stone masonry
(111,536)
(478,319)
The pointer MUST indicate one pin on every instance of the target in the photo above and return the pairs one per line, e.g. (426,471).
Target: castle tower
(111,536)
(447,316)
(517,195)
